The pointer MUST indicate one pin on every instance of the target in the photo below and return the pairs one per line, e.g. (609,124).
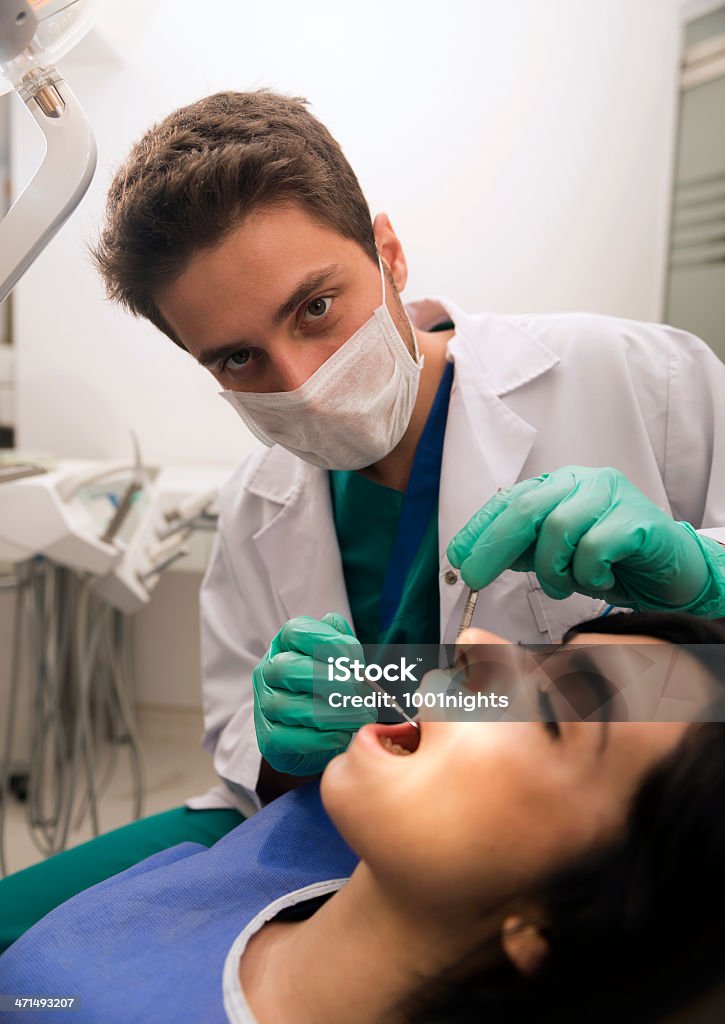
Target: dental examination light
(34,34)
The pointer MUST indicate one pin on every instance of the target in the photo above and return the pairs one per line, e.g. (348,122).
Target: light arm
(60,183)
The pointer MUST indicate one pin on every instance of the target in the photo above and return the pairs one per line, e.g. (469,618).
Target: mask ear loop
(418,357)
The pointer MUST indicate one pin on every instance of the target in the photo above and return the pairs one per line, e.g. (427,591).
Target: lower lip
(369,738)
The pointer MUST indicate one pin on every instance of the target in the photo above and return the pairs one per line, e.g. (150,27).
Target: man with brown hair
(407,453)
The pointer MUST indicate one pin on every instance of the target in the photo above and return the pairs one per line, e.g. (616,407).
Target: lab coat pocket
(554,617)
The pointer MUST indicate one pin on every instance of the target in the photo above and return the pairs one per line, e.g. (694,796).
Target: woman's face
(481,810)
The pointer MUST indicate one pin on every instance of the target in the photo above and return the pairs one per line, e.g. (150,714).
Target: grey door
(696,277)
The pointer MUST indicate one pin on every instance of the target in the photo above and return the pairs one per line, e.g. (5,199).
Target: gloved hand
(294,736)
(592,531)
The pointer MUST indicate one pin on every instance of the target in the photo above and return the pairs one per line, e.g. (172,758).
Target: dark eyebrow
(583,662)
(215,355)
(306,287)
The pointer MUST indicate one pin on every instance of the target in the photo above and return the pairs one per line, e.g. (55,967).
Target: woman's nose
(490,662)
(473,635)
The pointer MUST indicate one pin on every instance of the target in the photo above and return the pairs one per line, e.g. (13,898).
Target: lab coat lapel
(298,544)
(486,443)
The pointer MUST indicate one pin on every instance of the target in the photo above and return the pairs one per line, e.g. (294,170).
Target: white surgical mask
(353,410)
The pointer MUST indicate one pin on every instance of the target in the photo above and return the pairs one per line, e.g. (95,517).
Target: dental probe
(468,611)
(470,605)
(391,702)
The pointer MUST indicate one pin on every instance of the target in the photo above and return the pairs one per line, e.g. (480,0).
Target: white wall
(7,411)
(522,148)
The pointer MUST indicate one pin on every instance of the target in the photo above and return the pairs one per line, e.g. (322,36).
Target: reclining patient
(496,871)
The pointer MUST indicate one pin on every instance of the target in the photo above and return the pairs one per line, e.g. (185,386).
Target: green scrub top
(366,520)
(389,542)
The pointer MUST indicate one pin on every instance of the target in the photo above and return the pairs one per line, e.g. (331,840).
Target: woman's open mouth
(388,740)
(399,740)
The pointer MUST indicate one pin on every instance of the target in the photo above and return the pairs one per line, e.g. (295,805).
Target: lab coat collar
(511,358)
(298,544)
(276,474)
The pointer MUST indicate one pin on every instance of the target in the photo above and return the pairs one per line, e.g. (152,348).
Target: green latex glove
(592,531)
(292,737)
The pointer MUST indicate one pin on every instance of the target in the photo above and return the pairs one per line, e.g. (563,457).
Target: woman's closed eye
(576,692)
(546,714)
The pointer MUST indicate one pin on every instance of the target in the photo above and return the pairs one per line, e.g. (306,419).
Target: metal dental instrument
(468,611)
(470,605)
(391,702)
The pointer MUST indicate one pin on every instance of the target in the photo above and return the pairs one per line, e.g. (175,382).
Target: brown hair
(194,177)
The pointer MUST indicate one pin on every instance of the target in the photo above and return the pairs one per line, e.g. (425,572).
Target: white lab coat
(530,394)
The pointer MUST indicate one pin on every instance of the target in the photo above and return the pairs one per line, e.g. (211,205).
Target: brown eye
(236,360)
(317,308)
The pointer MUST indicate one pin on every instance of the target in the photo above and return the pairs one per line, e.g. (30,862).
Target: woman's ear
(524,944)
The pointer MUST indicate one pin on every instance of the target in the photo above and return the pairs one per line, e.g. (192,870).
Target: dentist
(558,463)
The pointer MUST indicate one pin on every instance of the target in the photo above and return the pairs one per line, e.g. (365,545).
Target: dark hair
(195,176)
(674,627)
(635,930)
